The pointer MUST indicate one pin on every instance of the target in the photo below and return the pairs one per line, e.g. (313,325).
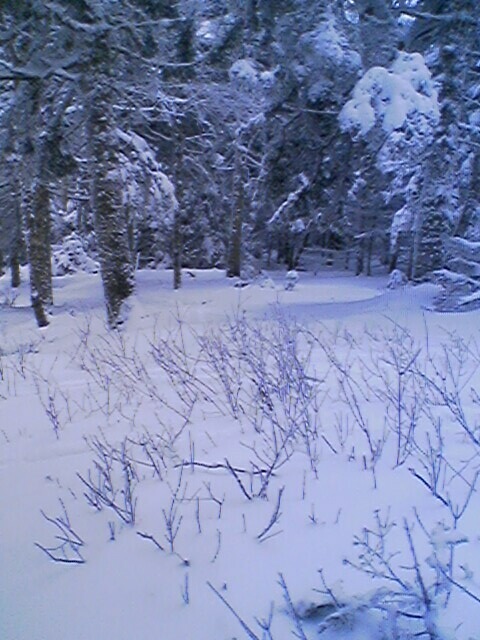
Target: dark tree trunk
(393,260)
(235,249)
(111,225)
(17,247)
(411,255)
(235,257)
(39,311)
(37,208)
(177,252)
(15,279)
(360,257)
(369,255)
(39,250)
(110,215)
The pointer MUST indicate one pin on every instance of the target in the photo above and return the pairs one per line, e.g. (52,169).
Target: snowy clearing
(239,462)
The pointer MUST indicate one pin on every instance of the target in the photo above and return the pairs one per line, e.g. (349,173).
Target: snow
(392,97)
(207,31)
(397,279)
(146,156)
(472,297)
(291,199)
(331,44)
(247,73)
(474,118)
(402,222)
(244,70)
(71,256)
(107,387)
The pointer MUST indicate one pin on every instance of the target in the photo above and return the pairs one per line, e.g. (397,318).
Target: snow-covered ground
(266,440)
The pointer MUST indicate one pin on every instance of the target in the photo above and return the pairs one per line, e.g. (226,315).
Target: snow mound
(397,279)
(291,279)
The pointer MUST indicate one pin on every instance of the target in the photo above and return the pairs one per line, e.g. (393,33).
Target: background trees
(236,134)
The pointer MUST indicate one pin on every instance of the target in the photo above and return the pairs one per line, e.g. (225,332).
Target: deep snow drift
(239,462)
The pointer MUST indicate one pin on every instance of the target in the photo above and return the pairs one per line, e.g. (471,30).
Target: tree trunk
(111,225)
(369,255)
(15,279)
(347,259)
(39,311)
(17,247)
(110,216)
(37,207)
(360,257)
(39,250)
(235,257)
(392,264)
(235,249)
(177,252)
(38,223)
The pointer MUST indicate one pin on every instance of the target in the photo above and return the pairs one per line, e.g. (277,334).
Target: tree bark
(111,222)
(37,213)
(17,246)
(177,251)
(15,278)
(111,225)
(39,250)
(235,249)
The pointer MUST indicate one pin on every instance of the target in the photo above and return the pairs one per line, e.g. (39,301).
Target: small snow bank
(291,279)
(393,97)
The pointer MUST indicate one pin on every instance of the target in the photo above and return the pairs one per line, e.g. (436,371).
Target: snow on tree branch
(394,97)
(163,185)
(292,198)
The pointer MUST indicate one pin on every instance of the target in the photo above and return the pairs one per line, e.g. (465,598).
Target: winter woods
(198,134)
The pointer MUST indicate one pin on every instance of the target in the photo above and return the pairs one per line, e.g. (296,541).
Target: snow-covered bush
(291,279)
(397,279)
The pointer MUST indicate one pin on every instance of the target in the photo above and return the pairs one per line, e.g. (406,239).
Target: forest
(239,311)
(239,134)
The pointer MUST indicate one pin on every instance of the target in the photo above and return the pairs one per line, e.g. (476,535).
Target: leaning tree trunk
(110,216)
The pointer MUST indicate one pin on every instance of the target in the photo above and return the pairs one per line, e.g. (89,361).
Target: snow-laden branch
(404,94)
(453,16)
(32,72)
(147,159)
(292,198)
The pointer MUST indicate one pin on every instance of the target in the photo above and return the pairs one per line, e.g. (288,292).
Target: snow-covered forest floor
(239,463)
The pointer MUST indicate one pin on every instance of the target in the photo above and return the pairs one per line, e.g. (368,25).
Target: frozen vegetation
(262,462)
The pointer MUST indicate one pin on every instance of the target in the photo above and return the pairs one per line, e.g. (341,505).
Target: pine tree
(449,34)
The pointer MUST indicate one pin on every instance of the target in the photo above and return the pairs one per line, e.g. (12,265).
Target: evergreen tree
(449,34)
